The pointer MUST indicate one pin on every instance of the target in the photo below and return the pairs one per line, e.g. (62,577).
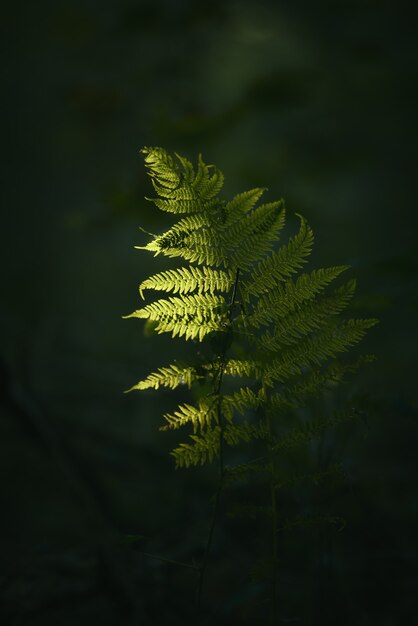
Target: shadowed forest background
(314,100)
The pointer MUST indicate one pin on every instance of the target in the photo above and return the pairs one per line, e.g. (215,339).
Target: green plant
(273,332)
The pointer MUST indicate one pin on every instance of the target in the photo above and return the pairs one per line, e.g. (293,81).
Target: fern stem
(203,566)
(273,496)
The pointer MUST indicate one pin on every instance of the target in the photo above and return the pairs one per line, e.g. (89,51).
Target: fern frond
(183,193)
(186,279)
(162,167)
(319,380)
(287,321)
(235,433)
(205,185)
(173,240)
(241,400)
(178,188)
(177,205)
(184,236)
(310,430)
(205,446)
(240,243)
(282,263)
(310,316)
(245,368)
(313,350)
(271,327)
(200,417)
(187,168)
(284,298)
(183,227)
(171,376)
(200,245)
(204,239)
(192,316)
(242,204)
(253,236)
(244,470)
(203,449)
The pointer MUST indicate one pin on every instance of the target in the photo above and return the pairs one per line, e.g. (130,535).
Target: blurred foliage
(319,98)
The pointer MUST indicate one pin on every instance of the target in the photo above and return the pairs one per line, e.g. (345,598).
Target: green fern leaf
(179,205)
(253,236)
(281,264)
(187,279)
(242,400)
(203,449)
(318,381)
(197,246)
(310,316)
(200,417)
(314,350)
(192,316)
(274,330)
(162,167)
(173,240)
(171,376)
(277,332)
(311,430)
(207,186)
(244,471)
(205,446)
(178,188)
(244,368)
(276,304)
(187,168)
(235,433)
(241,204)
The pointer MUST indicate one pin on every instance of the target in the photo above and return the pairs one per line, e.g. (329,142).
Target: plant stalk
(273,497)
(221,424)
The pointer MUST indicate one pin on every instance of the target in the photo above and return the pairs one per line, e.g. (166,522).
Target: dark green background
(317,101)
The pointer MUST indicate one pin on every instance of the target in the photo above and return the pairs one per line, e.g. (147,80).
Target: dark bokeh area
(314,100)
